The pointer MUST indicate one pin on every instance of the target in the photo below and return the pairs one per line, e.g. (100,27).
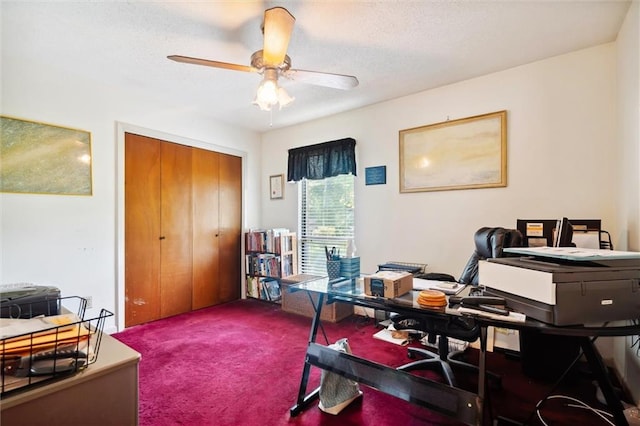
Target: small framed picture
(276,186)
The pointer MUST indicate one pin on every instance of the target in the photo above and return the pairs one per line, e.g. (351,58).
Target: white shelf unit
(270,255)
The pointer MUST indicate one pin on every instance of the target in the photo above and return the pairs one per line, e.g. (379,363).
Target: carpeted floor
(240,364)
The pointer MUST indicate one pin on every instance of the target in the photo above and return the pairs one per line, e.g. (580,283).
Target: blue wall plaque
(375,175)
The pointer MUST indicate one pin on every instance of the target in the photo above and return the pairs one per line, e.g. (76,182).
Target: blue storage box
(350,267)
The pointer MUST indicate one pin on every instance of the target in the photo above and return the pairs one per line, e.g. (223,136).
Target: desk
(105,393)
(466,407)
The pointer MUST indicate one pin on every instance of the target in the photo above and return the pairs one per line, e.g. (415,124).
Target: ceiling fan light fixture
(283,98)
(269,93)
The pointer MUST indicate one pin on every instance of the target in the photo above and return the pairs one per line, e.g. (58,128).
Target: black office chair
(605,240)
(489,243)
(439,330)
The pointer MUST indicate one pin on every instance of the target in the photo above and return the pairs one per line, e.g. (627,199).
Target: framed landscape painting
(458,154)
(39,158)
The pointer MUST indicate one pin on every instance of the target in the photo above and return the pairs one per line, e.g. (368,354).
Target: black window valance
(322,160)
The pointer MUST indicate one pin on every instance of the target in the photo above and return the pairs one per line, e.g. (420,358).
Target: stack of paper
(387,334)
(447,287)
(40,333)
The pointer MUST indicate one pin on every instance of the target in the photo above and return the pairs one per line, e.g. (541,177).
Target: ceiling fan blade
(277,28)
(336,81)
(208,63)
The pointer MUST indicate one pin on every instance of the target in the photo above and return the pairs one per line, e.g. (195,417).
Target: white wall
(561,159)
(628,124)
(628,178)
(573,150)
(71,241)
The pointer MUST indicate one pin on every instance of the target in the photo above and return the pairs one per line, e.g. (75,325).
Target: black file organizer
(413,268)
(50,353)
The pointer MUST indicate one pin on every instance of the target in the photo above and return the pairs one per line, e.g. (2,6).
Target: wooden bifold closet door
(175,229)
(182,228)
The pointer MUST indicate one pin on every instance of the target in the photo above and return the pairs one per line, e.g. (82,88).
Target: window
(326,220)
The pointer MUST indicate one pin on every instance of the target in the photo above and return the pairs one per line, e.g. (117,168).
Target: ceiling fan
(272,62)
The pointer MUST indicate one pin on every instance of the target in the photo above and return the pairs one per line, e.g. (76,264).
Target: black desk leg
(602,376)
(482,371)
(317,310)
(303,401)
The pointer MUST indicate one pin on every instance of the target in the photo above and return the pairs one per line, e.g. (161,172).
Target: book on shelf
(262,240)
(265,264)
(271,289)
(252,287)
(263,288)
(287,265)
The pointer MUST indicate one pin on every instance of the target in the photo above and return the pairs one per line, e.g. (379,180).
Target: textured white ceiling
(395,48)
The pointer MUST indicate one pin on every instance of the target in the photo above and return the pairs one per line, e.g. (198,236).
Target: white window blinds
(326,220)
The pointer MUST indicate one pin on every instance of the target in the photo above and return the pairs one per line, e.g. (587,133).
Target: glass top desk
(466,407)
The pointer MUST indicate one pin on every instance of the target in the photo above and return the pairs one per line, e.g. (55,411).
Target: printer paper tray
(531,308)
(580,308)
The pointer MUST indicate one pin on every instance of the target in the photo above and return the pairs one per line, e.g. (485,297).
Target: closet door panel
(205,228)
(142,229)
(230,208)
(176,233)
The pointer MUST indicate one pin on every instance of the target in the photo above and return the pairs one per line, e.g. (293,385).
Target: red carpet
(240,364)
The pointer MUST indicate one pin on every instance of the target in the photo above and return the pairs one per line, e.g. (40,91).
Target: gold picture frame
(40,158)
(276,186)
(467,153)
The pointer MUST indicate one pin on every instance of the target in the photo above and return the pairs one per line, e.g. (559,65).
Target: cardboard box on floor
(388,284)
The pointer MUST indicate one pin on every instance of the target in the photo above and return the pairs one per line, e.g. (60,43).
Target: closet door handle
(162,237)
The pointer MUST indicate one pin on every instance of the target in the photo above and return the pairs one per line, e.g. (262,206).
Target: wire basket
(54,344)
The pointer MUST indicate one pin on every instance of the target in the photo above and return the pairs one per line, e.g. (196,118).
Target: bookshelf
(270,255)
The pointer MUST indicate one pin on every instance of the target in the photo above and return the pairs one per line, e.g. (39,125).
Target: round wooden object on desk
(432,298)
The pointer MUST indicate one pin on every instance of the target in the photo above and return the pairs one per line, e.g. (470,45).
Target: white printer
(566,285)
